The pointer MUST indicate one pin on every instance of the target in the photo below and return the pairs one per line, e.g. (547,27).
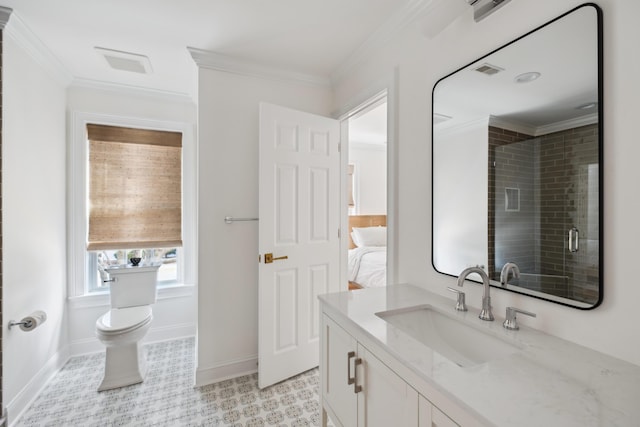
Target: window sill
(101,299)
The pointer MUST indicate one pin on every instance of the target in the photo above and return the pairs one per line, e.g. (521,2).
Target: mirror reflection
(516,163)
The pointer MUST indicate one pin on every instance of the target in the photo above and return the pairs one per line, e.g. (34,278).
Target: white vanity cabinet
(358,389)
(336,362)
(406,381)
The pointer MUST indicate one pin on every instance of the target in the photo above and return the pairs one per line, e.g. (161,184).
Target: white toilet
(133,290)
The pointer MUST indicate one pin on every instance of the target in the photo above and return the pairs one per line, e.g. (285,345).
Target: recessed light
(527,77)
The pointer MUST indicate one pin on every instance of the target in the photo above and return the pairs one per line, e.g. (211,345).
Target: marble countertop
(550,382)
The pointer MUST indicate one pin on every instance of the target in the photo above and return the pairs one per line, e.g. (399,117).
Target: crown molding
(513,126)
(17,30)
(5,14)
(536,131)
(392,26)
(567,124)
(219,62)
(524,128)
(129,90)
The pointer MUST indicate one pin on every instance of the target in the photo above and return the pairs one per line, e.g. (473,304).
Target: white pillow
(369,236)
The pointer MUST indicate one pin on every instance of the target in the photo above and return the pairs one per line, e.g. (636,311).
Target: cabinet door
(338,396)
(385,399)
(430,416)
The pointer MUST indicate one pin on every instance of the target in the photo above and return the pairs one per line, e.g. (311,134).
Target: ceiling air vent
(484,8)
(125,61)
(488,69)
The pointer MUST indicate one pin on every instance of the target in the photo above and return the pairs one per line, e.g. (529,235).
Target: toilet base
(124,365)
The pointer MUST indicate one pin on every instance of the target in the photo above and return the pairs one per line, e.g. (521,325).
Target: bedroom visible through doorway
(367,196)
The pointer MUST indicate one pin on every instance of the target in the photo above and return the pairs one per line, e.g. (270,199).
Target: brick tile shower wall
(510,166)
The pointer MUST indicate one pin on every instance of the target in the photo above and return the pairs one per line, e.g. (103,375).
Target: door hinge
(339,147)
(339,234)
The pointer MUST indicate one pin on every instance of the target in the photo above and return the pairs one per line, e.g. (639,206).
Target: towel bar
(230,219)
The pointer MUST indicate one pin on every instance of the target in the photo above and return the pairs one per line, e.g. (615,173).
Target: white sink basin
(454,339)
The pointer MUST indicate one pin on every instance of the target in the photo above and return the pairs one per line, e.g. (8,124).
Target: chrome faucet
(485,313)
(509,267)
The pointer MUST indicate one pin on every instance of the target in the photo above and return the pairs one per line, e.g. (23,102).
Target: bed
(367,267)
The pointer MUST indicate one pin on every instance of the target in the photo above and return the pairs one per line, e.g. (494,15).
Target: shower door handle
(573,239)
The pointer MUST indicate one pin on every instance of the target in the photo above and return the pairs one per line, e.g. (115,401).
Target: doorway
(367,183)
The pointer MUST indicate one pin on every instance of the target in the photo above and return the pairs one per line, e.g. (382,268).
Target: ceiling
(302,36)
(564,53)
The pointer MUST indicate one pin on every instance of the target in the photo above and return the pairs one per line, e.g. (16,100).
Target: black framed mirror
(517,163)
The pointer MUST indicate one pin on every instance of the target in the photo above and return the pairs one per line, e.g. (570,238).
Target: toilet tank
(133,286)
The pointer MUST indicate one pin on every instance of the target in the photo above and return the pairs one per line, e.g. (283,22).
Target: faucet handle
(510,322)
(460,304)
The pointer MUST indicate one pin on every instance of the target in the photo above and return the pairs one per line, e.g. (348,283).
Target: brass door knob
(268,258)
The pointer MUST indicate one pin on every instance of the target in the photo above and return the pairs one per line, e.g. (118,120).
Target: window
(179,267)
(134,197)
(166,257)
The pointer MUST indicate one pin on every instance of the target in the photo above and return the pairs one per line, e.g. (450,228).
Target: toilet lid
(121,319)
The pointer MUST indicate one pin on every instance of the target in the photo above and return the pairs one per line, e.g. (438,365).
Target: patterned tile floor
(167,396)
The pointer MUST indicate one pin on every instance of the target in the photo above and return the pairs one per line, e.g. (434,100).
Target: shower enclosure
(544,210)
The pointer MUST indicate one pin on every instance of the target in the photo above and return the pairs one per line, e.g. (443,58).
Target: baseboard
(30,392)
(164,333)
(173,332)
(225,371)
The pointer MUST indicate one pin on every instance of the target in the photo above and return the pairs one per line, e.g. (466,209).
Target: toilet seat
(122,320)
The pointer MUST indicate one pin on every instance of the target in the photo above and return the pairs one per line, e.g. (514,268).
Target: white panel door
(299,221)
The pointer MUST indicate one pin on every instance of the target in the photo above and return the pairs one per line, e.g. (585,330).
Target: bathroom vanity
(403,356)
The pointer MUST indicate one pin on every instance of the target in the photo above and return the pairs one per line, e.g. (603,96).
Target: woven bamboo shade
(135,188)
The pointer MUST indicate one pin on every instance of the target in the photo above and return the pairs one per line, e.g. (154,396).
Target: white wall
(34,222)
(462,221)
(421,62)
(370,184)
(228,186)
(175,311)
